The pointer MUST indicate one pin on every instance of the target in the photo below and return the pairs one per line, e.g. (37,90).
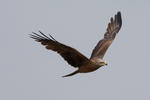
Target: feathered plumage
(74,57)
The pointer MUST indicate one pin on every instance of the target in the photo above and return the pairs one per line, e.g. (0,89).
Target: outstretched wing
(112,29)
(71,55)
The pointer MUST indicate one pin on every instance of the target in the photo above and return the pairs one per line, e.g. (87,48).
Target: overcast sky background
(30,72)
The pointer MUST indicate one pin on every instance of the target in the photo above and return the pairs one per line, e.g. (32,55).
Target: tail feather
(77,71)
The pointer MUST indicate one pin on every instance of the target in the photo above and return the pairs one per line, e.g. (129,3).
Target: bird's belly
(88,68)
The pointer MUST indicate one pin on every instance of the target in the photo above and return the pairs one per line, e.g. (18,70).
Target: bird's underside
(74,57)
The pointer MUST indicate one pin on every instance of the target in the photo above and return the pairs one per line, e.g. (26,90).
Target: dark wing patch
(112,29)
(71,55)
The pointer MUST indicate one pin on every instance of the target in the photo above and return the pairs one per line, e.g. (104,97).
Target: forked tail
(77,71)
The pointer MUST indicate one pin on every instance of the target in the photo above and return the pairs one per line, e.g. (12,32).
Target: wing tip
(38,37)
(119,19)
(119,13)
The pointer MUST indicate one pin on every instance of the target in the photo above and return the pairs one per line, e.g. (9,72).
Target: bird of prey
(74,57)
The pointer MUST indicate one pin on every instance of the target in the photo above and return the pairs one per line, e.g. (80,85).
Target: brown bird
(74,57)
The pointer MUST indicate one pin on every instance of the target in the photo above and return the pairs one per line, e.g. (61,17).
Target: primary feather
(112,29)
(71,55)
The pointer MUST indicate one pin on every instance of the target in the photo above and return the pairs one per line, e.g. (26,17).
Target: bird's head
(99,62)
(104,63)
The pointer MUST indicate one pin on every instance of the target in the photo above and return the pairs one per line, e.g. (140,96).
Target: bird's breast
(88,68)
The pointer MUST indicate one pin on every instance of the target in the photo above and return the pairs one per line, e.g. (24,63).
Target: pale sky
(30,72)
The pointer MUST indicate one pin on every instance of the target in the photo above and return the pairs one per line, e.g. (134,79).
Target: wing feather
(71,55)
(112,29)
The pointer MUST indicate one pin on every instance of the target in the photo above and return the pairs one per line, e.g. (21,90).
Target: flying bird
(74,57)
